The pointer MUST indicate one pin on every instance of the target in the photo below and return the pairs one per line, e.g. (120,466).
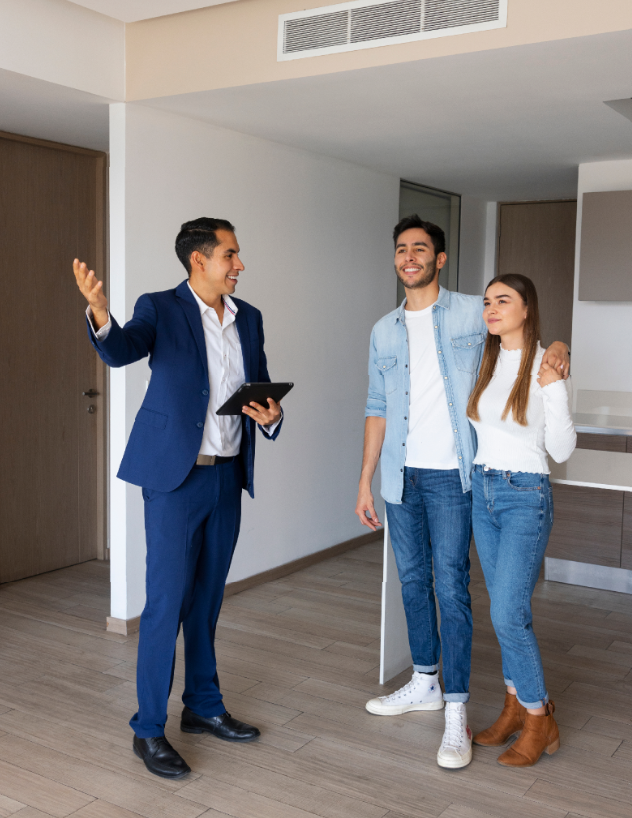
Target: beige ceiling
(131,11)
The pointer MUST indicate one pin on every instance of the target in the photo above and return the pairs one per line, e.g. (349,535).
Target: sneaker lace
(403,690)
(453,736)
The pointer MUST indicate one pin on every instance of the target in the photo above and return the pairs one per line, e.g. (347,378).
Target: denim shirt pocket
(388,368)
(467,350)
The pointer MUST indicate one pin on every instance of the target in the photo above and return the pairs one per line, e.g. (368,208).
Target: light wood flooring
(299,658)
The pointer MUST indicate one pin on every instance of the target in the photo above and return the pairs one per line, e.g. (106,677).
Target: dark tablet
(258,392)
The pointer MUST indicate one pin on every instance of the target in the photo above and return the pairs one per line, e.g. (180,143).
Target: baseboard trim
(125,627)
(303,562)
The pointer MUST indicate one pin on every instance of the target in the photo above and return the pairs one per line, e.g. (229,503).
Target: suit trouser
(191,535)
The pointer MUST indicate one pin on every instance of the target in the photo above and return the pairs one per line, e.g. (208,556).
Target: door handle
(91,393)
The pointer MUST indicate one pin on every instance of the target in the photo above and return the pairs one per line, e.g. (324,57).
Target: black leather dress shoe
(225,726)
(160,758)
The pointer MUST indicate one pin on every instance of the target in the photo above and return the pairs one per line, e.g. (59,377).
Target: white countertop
(594,469)
(606,413)
(602,424)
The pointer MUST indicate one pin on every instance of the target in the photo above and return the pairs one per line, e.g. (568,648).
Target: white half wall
(315,234)
(65,44)
(601,330)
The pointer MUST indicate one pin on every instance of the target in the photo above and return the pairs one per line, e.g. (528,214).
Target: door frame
(454,246)
(101,268)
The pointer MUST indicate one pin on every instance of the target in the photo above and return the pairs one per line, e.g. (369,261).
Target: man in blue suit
(192,465)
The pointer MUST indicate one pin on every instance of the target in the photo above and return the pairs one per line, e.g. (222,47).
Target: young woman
(519,416)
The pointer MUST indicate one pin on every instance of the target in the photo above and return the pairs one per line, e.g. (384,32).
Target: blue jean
(431,527)
(512,514)
(191,535)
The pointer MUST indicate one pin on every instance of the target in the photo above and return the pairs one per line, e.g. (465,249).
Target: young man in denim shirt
(423,363)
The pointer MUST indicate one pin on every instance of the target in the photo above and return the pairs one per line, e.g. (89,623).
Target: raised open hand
(92,290)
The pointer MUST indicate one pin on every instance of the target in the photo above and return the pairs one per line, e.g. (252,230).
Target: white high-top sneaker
(423,692)
(456,747)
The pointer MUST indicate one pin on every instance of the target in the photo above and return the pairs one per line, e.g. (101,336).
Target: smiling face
(505,313)
(219,272)
(415,262)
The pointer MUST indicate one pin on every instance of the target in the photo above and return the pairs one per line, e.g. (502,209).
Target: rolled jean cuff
(529,705)
(534,705)
(456,697)
(425,668)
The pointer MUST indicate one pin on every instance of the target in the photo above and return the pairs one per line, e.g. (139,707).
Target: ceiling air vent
(440,14)
(371,23)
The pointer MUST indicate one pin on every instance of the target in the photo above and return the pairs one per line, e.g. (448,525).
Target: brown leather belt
(212,459)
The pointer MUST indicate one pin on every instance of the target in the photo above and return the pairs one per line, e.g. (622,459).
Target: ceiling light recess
(372,23)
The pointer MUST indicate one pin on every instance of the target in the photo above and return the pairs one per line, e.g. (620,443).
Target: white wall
(477,249)
(601,330)
(316,239)
(63,43)
(472,245)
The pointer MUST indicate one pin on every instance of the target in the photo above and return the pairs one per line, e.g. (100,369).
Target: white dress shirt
(222,433)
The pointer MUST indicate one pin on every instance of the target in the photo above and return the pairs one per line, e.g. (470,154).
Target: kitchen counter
(591,541)
(603,413)
(595,469)
(600,424)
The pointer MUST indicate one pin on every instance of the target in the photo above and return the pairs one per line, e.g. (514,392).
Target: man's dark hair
(434,231)
(200,235)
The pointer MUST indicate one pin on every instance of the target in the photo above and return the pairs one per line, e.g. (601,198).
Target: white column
(127,541)
(491,242)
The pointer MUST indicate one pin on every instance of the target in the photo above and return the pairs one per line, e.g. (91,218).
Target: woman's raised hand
(548,375)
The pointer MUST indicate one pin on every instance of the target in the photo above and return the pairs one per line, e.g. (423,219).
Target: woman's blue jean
(512,515)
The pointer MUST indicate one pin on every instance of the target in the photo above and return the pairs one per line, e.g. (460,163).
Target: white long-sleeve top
(504,444)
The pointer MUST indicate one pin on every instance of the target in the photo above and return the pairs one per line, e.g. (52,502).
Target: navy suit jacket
(167,433)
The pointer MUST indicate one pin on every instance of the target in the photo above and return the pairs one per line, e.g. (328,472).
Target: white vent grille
(370,23)
(392,19)
(440,14)
(319,31)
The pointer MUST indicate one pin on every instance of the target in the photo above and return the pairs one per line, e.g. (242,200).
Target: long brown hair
(518,399)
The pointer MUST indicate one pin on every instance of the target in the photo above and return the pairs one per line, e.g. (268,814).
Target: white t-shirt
(430,442)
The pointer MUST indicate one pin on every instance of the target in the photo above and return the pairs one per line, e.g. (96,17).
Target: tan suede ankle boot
(509,723)
(539,735)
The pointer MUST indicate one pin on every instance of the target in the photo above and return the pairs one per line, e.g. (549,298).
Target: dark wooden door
(51,210)
(537,239)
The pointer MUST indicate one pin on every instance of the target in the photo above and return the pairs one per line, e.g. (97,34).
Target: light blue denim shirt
(460,335)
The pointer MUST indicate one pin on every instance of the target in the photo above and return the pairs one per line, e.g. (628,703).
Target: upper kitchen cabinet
(605,261)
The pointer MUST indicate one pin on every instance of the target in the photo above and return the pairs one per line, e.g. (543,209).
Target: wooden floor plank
(34,790)
(9,807)
(299,657)
(91,781)
(590,806)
